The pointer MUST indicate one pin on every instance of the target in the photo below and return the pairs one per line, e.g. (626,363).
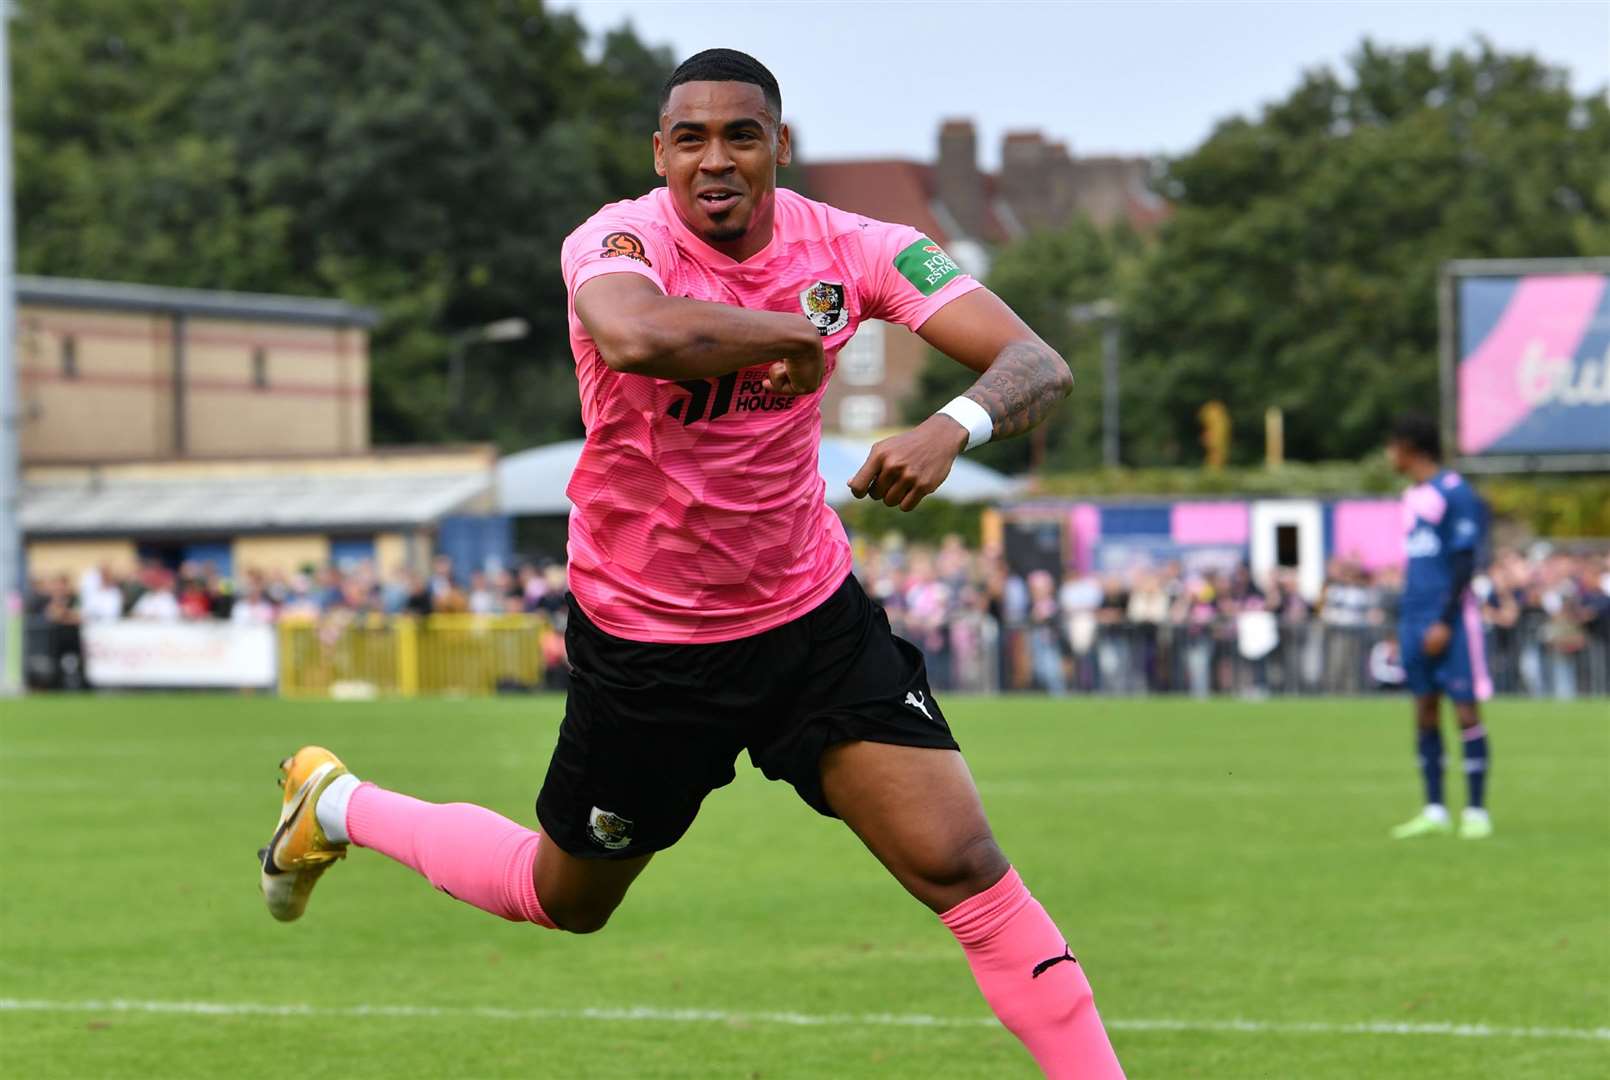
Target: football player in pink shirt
(712,608)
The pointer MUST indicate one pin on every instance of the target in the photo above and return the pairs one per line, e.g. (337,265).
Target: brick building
(113,371)
(1040,185)
(227,427)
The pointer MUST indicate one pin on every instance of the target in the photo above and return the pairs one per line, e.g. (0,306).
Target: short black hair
(1420,433)
(725,65)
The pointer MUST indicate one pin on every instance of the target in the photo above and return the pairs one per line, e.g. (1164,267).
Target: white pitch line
(655,1014)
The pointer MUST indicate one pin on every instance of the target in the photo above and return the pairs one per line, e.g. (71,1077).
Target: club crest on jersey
(1422,544)
(610,830)
(823,304)
(625,245)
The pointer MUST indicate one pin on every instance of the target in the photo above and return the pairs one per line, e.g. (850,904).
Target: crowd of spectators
(984,627)
(1168,628)
(196,590)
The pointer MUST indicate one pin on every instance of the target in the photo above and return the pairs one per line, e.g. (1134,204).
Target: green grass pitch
(1210,863)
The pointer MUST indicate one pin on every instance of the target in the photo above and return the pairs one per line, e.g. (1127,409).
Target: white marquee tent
(532,482)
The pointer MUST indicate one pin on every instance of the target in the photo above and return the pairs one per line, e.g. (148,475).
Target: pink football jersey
(698,511)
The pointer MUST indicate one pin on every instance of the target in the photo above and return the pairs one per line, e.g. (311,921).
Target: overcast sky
(874,79)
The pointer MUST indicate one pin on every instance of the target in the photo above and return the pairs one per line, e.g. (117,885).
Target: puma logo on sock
(1043,965)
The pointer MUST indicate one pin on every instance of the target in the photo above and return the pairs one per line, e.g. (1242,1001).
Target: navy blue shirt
(1443,516)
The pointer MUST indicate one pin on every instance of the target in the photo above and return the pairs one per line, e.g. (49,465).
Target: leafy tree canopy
(1300,267)
(428,157)
(422,156)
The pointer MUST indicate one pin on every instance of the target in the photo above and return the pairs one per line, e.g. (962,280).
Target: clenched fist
(905,469)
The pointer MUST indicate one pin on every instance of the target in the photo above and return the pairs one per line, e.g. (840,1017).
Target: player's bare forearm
(1020,381)
(641,331)
(1020,388)
(678,338)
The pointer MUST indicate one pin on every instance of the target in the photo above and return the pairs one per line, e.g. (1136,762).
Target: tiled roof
(889,190)
(74,292)
(289,500)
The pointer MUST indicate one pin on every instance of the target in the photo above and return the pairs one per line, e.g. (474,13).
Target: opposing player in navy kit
(1439,625)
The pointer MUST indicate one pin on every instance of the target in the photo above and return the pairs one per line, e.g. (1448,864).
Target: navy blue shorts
(1459,672)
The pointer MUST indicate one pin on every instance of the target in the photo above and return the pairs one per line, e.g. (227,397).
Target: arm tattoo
(1021,387)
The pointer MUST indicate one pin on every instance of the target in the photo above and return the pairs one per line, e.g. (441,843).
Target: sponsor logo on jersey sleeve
(926,266)
(625,245)
(823,304)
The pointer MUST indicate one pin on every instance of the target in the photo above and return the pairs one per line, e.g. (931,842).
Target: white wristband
(972,416)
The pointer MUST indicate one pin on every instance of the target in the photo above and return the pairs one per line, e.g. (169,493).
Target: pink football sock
(1028,975)
(468,852)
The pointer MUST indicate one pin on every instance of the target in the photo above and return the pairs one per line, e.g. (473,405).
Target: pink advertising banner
(1533,364)
(1209,523)
(1369,531)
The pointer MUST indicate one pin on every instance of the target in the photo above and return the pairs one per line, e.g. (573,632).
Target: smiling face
(718,147)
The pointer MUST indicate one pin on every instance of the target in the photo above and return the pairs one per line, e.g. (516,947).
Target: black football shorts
(651,729)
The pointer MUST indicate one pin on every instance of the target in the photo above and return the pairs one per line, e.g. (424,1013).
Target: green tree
(1042,277)
(422,156)
(113,179)
(437,155)
(1300,267)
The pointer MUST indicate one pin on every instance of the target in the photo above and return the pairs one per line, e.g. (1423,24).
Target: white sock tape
(331,809)
(972,416)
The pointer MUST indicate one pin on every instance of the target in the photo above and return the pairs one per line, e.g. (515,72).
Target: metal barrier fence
(362,656)
(438,654)
(1308,658)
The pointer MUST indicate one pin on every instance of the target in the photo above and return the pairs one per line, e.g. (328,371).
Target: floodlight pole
(10,402)
(1105,312)
(502,330)
(1109,394)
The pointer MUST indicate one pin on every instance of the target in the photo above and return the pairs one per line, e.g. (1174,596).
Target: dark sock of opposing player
(1475,740)
(1430,749)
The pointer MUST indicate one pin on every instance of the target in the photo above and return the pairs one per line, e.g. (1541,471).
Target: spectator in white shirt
(99,598)
(158,604)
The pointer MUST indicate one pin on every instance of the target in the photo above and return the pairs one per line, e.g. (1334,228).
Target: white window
(971,256)
(861,359)
(862,412)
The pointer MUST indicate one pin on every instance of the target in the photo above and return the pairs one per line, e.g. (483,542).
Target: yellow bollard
(406,632)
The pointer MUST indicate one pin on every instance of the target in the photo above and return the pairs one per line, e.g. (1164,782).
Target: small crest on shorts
(610,830)
(823,304)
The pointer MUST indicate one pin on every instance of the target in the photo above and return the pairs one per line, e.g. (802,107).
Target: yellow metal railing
(368,656)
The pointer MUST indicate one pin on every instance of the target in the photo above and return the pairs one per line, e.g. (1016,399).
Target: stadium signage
(133,653)
(1526,364)
(1545,380)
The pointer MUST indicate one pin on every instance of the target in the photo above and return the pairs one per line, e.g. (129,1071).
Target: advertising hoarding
(134,653)
(1526,364)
